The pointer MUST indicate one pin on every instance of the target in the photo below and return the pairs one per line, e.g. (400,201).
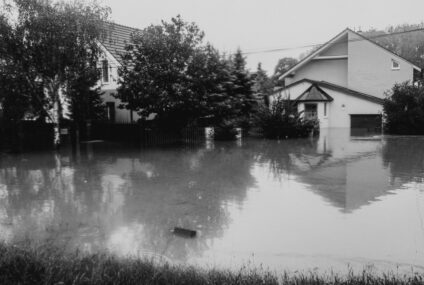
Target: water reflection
(300,203)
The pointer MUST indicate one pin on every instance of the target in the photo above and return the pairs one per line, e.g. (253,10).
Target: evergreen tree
(239,90)
(263,85)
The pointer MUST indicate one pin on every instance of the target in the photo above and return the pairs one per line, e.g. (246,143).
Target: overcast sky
(256,25)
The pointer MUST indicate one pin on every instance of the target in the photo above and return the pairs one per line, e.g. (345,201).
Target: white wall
(345,105)
(121,115)
(332,70)
(370,68)
(339,110)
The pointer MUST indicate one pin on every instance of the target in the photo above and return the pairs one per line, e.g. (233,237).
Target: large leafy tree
(162,71)
(404,109)
(283,65)
(54,45)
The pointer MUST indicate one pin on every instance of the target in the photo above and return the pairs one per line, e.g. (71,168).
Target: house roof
(314,93)
(333,41)
(335,87)
(117,37)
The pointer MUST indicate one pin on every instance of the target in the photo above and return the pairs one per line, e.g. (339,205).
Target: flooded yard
(337,201)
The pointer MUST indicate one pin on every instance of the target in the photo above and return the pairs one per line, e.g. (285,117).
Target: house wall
(345,105)
(370,67)
(338,48)
(338,110)
(121,115)
(292,93)
(333,70)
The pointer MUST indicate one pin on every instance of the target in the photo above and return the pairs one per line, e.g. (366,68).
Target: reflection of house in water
(348,172)
(350,184)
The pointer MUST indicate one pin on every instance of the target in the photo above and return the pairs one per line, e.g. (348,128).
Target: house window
(325,109)
(105,71)
(395,65)
(311,111)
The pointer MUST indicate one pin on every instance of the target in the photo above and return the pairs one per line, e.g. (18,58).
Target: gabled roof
(314,93)
(117,37)
(335,40)
(328,85)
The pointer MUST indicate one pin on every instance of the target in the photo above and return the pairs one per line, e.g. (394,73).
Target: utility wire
(364,38)
(315,45)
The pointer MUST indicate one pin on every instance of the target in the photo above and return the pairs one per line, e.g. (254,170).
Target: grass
(48,264)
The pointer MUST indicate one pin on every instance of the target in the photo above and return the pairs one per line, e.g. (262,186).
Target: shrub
(226,131)
(282,120)
(404,109)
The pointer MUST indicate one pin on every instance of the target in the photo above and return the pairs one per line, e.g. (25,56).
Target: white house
(343,83)
(113,46)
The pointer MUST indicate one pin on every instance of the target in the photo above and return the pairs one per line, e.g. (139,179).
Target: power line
(363,38)
(315,45)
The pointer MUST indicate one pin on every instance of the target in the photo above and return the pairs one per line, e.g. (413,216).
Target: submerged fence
(30,135)
(143,135)
(26,135)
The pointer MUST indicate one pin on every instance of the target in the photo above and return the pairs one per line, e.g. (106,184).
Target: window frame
(393,65)
(105,71)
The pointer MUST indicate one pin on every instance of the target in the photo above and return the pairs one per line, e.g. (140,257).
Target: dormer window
(105,71)
(395,65)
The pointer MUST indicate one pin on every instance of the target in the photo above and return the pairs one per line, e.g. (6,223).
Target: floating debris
(184,232)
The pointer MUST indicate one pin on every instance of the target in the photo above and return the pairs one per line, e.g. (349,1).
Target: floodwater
(335,202)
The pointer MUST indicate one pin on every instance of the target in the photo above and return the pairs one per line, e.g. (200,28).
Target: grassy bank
(50,265)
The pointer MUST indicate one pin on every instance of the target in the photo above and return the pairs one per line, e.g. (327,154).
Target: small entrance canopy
(314,94)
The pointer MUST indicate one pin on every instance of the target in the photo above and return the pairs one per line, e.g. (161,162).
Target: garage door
(367,123)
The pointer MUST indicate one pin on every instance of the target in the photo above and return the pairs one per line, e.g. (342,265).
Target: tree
(158,73)
(282,120)
(52,44)
(404,109)
(409,45)
(239,90)
(262,85)
(283,65)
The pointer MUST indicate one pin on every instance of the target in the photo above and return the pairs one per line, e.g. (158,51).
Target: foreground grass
(47,264)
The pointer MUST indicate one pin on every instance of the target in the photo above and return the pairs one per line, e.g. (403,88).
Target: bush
(282,120)
(226,131)
(404,109)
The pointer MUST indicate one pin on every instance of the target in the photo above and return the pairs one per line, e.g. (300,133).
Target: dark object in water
(184,232)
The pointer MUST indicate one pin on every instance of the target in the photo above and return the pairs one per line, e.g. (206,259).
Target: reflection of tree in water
(87,200)
(405,158)
(188,188)
(48,196)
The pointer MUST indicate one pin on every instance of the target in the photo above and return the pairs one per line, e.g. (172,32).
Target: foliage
(49,264)
(283,65)
(409,45)
(158,74)
(240,89)
(169,72)
(404,109)
(282,120)
(85,101)
(262,85)
(226,131)
(51,44)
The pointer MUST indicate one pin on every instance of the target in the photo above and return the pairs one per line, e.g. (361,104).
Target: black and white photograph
(211,142)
